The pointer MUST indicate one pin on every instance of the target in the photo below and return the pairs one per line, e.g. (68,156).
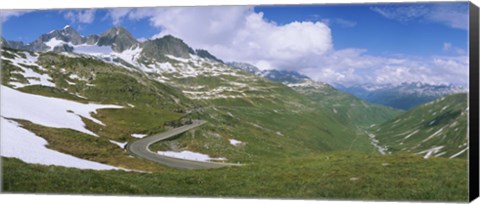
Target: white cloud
(448,47)
(6,14)
(335,21)
(402,13)
(238,33)
(454,15)
(241,34)
(345,23)
(353,66)
(117,14)
(80,16)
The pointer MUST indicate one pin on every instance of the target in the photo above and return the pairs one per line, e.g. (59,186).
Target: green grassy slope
(271,119)
(348,108)
(328,176)
(290,140)
(438,128)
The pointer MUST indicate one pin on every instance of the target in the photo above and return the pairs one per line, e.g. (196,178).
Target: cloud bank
(241,34)
(238,34)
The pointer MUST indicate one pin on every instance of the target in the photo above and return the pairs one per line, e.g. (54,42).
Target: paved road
(139,148)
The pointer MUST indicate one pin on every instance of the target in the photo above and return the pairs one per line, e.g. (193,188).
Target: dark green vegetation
(438,128)
(331,175)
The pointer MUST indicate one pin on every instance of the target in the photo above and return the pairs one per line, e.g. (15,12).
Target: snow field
(22,144)
(47,111)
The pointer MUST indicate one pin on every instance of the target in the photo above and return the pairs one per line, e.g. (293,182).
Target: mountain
(117,37)
(437,128)
(12,44)
(403,96)
(159,48)
(68,39)
(162,83)
(282,76)
(245,67)
(205,54)
(66,114)
(57,40)
(347,107)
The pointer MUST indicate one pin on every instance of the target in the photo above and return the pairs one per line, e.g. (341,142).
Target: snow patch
(138,135)
(409,135)
(458,153)
(433,135)
(47,111)
(120,144)
(24,145)
(54,42)
(375,142)
(92,49)
(34,78)
(235,142)
(188,155)
(430,151)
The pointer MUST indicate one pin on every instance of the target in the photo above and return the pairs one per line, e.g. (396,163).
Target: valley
(99,105)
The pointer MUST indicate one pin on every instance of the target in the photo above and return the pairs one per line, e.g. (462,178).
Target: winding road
(140,149)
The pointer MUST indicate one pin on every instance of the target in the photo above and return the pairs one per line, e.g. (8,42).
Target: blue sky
(366,39)
(360,26)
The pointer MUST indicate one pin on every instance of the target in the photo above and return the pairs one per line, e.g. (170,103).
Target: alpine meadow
(297,102)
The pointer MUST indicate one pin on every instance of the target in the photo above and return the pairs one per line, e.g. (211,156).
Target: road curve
(140,149)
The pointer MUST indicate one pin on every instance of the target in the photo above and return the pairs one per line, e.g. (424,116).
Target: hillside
(71,104)
(348,108)
(401,96)
(329,176)
(438,128)
(237,106)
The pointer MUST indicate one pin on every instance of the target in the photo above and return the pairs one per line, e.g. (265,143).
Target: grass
(291,142)
(120,124)
(440,123)
(348,108)
(339,175)
(51,92)
(88,147)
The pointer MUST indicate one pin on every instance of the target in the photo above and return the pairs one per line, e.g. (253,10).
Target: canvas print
(318,101)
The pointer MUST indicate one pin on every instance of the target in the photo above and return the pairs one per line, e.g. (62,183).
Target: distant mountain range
(402,96)
(349,108)
(114,40)
(112,45)
(164,82)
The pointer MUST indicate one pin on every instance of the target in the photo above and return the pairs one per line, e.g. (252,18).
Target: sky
(340,44)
